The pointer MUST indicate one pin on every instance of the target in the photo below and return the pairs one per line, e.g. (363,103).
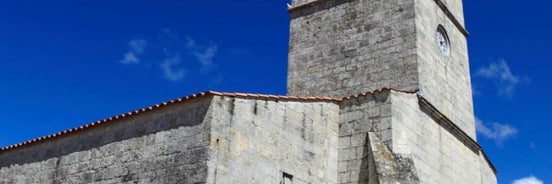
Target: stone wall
(215,139)
(345,47)
(444,81)
(420,149)
(354,46)
(257,141)
(359,116)
(438,155)
(168,145)
(381,137)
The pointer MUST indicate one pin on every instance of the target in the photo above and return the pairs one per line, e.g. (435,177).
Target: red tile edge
(183,99)
(104,121)
(379,91)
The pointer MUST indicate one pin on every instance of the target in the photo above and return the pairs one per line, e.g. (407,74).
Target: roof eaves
(107,120)
(379,91)
(187,98)
(158,106)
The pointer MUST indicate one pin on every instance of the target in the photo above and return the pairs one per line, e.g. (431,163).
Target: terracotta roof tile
(379,91)
(183,99)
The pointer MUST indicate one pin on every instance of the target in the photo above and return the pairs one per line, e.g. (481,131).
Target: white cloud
(190,43)
(171,46)
(502,75)
(497,131)
(203,53)
(170,69)
(206,56)
(532,145)
(135,48)
(528,180)
(177,55)
(130,58)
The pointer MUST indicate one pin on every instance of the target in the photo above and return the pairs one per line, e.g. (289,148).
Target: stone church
(378,92)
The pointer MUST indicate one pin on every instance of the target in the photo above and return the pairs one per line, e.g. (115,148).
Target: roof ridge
(379,91)
(270,96)
(157,106)
(109,119)
(187,98)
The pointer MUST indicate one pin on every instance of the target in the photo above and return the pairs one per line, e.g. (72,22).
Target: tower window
(287,178)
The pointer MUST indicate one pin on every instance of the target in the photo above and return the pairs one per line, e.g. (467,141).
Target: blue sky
(67,63)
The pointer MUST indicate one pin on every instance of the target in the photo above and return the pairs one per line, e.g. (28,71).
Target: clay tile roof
(161,105)
(379,91)
(187,98)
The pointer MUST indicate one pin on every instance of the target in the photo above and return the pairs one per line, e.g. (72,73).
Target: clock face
(443,41)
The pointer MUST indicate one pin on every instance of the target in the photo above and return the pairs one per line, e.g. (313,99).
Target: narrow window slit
(287,178)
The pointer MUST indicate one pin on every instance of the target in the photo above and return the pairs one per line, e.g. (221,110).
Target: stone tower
(340,48)
(420,128)
(379,93)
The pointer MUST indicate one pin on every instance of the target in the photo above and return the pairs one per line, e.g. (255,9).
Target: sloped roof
(164,104)
(206,94)
(188,98)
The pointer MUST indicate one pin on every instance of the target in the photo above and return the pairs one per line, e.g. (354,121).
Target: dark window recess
(287,178)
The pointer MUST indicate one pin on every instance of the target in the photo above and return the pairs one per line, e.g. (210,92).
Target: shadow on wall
(367,167)
(187,114)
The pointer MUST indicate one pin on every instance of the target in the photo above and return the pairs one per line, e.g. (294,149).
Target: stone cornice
(452,18)
(451,127)
(308,8)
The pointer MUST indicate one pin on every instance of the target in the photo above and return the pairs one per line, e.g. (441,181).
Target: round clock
(443,41)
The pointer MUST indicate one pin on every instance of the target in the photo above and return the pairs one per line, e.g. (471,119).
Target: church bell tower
(340,48)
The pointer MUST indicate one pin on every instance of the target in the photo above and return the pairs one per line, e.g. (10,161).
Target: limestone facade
(395,111)
(354,46)
(385,136)
(168,145)
(258,140)
(212,139)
